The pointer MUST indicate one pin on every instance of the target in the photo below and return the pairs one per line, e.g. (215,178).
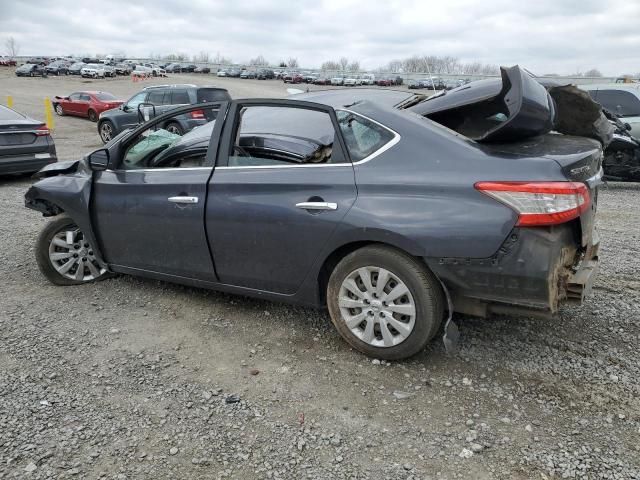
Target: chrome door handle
(317,206)
(189,200)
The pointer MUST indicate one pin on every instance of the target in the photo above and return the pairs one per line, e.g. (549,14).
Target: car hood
(58,168)
(512,107)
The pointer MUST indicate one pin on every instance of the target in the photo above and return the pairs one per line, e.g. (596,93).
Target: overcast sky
(545,36)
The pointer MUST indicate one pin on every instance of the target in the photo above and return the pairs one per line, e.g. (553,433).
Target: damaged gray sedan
(390,209)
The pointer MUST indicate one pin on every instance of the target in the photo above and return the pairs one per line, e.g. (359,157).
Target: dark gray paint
(418,196)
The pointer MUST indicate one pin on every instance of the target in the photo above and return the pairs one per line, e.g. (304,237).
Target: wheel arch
(69,195)
(335,256)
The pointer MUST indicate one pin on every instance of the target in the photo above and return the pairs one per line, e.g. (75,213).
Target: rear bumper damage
(535,271)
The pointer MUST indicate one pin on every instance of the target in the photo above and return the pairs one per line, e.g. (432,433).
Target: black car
(25,144)
(155,100)
(75,68)
(343,199)
(188,68)
(31,70)
(59,67)
(173,68)
(265,74)
(248,74)
(202,70)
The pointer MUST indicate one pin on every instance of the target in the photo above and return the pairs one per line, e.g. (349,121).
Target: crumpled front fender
(66,193)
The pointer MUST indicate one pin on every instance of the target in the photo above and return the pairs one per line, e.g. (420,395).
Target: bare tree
(344,62)
(258,61)
(12,47)
(394,66)
(292,62)
(330,65)
(594,72)
(354,66)
(201,57)
(221,60)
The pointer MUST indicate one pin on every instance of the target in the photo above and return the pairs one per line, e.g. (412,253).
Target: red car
(384,82)
(7,62)
(85,104)
(293,77)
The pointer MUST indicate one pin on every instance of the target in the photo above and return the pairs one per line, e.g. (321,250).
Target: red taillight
(197,114)
(540,203)
(42,131)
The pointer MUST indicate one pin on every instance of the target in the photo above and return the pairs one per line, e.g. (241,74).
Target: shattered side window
(363,137)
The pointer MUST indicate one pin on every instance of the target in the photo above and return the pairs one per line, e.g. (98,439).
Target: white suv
(93,70)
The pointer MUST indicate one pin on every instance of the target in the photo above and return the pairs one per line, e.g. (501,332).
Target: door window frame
(118,150)
(230,131)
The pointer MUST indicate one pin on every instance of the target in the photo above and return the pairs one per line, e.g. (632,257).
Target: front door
(279,190)
(149,208)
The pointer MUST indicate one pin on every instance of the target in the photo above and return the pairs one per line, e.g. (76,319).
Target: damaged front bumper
(534,271)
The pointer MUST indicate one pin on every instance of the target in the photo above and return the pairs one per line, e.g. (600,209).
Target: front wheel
(59,110)
(65,256)
(384,303)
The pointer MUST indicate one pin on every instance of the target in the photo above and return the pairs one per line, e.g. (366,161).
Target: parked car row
(436,83)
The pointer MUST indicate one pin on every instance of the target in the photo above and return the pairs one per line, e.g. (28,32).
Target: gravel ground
(132,378)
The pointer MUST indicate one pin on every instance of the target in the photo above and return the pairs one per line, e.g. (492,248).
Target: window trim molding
(396,138)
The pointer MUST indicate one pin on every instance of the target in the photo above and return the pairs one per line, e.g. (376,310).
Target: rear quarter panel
(420,195)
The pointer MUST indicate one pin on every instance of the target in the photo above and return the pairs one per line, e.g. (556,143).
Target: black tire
(59,224)
(175,128)
(421,283)
(106,130)
(58,108)
(93,116)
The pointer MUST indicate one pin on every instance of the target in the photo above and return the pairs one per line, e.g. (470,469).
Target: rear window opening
(212,95)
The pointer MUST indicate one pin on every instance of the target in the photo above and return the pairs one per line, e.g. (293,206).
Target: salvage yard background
(132,378)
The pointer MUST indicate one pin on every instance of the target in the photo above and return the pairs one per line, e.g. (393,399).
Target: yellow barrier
(48,113)
(9,101)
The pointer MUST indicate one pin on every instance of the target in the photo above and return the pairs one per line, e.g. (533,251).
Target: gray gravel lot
(131,378)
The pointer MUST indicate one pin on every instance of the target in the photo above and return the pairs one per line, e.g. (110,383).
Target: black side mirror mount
(99,160)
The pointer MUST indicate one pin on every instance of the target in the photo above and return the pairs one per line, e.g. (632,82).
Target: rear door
(282,184)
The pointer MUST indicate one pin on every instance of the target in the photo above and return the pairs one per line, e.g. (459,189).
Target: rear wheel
(65,256)
(174,128)
(384,302)
(106,130)
(93,116)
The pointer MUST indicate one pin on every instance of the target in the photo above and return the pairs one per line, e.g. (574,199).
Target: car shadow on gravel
(13,179)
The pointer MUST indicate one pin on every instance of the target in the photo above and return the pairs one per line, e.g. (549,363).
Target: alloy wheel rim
(377,306)
(59,109)
(73,257)
(106,131)
(173,129)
